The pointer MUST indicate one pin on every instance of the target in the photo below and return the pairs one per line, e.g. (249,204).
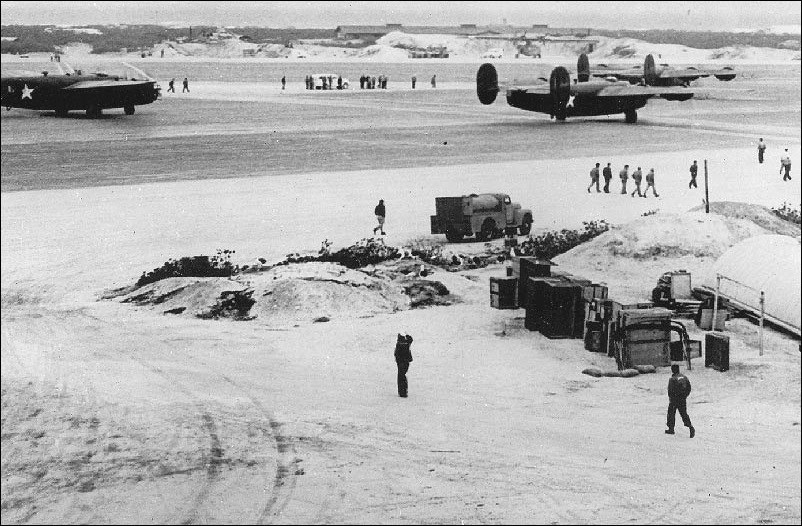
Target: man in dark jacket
(679,387)
(379,211)
(608,174)
(403,356)
(694,169)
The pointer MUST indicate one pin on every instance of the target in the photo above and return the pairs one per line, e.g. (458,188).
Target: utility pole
(762,312)
(707,196)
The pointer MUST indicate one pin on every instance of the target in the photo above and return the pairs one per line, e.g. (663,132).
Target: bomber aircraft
(75,91)
(660,74)
(561,99)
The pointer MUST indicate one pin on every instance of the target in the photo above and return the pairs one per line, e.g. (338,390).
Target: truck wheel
(488,228)
(129,110)
(453,237)
(526,226)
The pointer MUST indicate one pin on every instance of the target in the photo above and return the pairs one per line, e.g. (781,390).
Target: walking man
(403,357)
(608,174)
(414,80)
(637,177)
(694,169)
(785,164)
(594,178)
(186,86)
(380,214)
(171,85)
(761,149)
(434,81)
(679,387)
(624,175)
(650,183)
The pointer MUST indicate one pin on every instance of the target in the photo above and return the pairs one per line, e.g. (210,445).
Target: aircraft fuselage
(578,106)
(56,92)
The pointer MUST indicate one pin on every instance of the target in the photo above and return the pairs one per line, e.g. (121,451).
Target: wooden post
(715,303)
(762,310)
(707,197)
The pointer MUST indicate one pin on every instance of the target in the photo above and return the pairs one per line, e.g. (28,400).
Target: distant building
(374,32)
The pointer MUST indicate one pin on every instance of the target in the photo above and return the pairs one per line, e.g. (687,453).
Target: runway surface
(235,129)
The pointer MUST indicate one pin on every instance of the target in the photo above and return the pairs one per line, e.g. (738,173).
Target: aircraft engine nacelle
(560,90)
(726,77)
(487,84)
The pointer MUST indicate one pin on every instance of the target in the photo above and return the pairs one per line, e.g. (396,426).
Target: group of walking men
(637,178)
(171,86)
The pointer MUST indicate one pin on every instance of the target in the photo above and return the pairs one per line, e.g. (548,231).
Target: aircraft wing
(106,83)
(540,89)
(623,90)
(628,75)
(688,73)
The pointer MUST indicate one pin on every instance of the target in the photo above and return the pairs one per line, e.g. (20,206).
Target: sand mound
(669,235)
(760,215)
(312,290)
(301,292)
(202,297)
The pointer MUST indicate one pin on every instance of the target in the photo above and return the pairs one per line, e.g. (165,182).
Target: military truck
(482,215)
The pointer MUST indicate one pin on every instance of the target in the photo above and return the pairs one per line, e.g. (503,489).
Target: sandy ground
(113,413)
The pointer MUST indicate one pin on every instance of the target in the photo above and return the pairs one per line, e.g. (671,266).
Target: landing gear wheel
(94,112)
(129,110)
(61,112)
(631,117)
(453,237)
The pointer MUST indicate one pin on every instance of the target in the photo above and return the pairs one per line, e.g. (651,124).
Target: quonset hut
(769,263)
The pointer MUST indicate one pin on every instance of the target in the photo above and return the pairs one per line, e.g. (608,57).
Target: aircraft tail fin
(583,68)
(487,83)
(649,70)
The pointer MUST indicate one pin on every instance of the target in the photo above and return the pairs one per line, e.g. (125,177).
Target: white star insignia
(26,92)
(570,101)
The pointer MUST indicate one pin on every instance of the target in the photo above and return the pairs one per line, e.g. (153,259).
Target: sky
(695,16)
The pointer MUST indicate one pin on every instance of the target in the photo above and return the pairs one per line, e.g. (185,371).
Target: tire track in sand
(286,462)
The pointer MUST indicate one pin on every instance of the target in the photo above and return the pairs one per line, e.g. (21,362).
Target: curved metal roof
(770,263)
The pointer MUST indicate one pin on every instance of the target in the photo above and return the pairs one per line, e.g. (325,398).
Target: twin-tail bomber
(561,99)
(660,74)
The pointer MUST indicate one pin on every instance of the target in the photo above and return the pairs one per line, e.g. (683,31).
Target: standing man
(186,86)
(171,85)
(594,178)
(414,80)
(403,357)
(339,82)
(434,81)
(608,174)
(785,164)
(380,214)
(650,183)
(637,177)
(624,175)
(283,82)
(679,387)
(761,149)
(694,170)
